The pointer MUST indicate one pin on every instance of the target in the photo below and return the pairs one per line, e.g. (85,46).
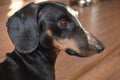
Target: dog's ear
(23,30)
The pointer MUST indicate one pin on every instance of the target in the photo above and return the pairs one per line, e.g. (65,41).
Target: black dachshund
(39,32)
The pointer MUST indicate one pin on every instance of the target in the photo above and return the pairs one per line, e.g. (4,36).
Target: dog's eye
(64,22)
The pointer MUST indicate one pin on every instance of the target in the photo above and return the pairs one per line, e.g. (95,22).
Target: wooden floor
(102,20)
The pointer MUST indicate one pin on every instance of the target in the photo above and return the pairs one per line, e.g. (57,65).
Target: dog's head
(53,26)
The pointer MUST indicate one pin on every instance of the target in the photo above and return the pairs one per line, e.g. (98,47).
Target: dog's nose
(94,43)
(100,48)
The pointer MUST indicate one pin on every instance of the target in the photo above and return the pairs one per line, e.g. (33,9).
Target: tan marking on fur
(49,32)
(67,44)
(57,47)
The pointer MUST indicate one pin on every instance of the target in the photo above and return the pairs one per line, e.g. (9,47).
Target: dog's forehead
(72,12)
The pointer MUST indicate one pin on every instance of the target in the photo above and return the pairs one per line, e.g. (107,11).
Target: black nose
(100,48)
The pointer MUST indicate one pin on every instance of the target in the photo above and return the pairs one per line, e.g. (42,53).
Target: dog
(40,31)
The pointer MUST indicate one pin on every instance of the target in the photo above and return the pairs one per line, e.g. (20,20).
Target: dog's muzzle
(87,45)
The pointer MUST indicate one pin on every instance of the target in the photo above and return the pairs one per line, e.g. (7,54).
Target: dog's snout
(94,44)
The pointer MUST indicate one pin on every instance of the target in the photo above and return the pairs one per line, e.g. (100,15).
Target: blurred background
(100,17)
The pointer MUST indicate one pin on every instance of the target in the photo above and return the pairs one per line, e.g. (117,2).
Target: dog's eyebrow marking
(49,32)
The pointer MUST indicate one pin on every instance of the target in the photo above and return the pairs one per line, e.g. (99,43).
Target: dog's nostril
(100,48)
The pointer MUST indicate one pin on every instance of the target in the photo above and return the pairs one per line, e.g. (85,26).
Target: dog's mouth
(86,52)
(89,51)
(83,53)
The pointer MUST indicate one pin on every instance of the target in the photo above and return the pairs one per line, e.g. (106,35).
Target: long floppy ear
(23,30)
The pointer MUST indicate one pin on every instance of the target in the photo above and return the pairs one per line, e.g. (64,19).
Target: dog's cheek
(65,44)
(57,47)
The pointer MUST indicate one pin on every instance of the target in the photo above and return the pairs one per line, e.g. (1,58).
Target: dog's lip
(82,54)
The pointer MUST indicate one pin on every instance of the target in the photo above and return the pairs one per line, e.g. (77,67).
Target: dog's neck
(50,55)
(40,61)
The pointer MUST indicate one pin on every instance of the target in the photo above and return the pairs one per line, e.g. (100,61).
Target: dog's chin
(81,54)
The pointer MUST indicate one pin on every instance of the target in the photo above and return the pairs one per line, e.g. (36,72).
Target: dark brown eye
(64,23)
